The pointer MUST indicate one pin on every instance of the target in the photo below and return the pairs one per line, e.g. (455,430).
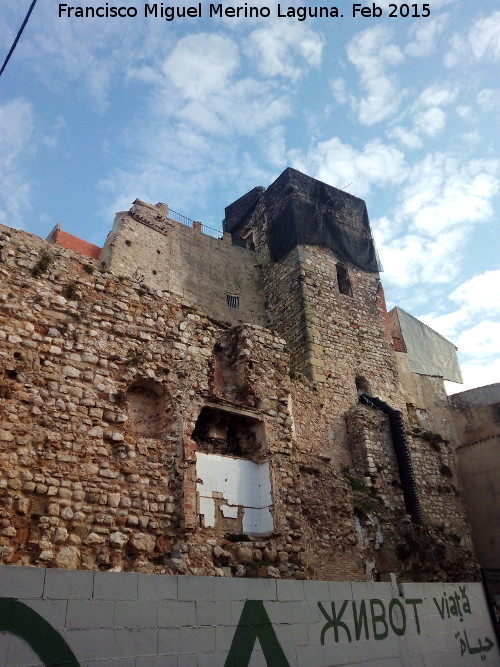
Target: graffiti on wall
(371,618)
(20,620)
(382,617)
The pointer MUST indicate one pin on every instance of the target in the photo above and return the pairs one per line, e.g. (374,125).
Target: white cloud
(447,325)
(427,116)
(202,74)
(413,259)
(436,96)
(478,303)
(284,49)
(373,54)
(208,125)
(475,328)
(404,136)
(425,36)
(273,146)
(480,341)
(489,98)
(16,131)
(482,42)
(431,121)
(464,111)
(90,54)
(197,143)
(484,38)
(339,90)
(439,204)
(476,374)
(340,164)
(202,65)
(481,292)
(442,194)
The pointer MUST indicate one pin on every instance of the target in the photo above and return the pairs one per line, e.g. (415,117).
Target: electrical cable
(19,33)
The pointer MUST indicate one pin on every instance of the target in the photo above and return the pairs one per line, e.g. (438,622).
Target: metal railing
(188,222)
(178,217)
(210,231)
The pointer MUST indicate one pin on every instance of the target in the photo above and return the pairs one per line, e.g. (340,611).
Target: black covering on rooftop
(301,210)
(239,211)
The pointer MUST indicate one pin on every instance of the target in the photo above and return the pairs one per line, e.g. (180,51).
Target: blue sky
(402,112)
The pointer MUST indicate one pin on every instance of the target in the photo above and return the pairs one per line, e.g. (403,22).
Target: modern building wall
(66,240)
(139,620)
(477,422)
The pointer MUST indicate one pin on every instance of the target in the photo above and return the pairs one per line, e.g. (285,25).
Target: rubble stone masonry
(112,382)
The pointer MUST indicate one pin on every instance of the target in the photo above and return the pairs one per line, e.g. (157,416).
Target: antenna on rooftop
(346,186)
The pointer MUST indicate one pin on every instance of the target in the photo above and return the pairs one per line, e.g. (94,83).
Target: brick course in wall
(72,242)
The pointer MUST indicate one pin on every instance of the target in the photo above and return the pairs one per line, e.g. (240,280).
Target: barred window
(233,301)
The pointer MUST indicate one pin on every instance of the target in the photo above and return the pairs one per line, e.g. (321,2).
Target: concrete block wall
(129,619)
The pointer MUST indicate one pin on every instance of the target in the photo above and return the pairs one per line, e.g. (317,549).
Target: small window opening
(343,280)
(233,301)
(250,241)
(363,386)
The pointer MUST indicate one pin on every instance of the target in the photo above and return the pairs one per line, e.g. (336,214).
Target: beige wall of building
(477,422)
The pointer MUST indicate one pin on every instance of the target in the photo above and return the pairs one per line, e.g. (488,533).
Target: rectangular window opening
(343,280)
(233,301)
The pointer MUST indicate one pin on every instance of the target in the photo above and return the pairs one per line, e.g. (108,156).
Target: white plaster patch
(229,512)
(207,508)
(242,484)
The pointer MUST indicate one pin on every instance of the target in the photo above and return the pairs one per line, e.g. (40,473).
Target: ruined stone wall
(335,340)
(115,395)
(102,384)
(144,244)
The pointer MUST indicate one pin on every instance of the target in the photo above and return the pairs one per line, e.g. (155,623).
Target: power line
(20,32)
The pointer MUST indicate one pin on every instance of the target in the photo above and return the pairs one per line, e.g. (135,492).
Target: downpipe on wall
(403,458)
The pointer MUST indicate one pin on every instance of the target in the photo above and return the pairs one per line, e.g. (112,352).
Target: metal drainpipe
(400,444)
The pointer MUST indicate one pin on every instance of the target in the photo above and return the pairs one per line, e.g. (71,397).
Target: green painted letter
(19,619)
(255,624)
(379,618)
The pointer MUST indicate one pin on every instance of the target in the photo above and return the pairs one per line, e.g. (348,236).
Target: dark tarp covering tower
(301,210)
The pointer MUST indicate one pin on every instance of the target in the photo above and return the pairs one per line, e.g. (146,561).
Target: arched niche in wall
(230,370)
(146,407)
